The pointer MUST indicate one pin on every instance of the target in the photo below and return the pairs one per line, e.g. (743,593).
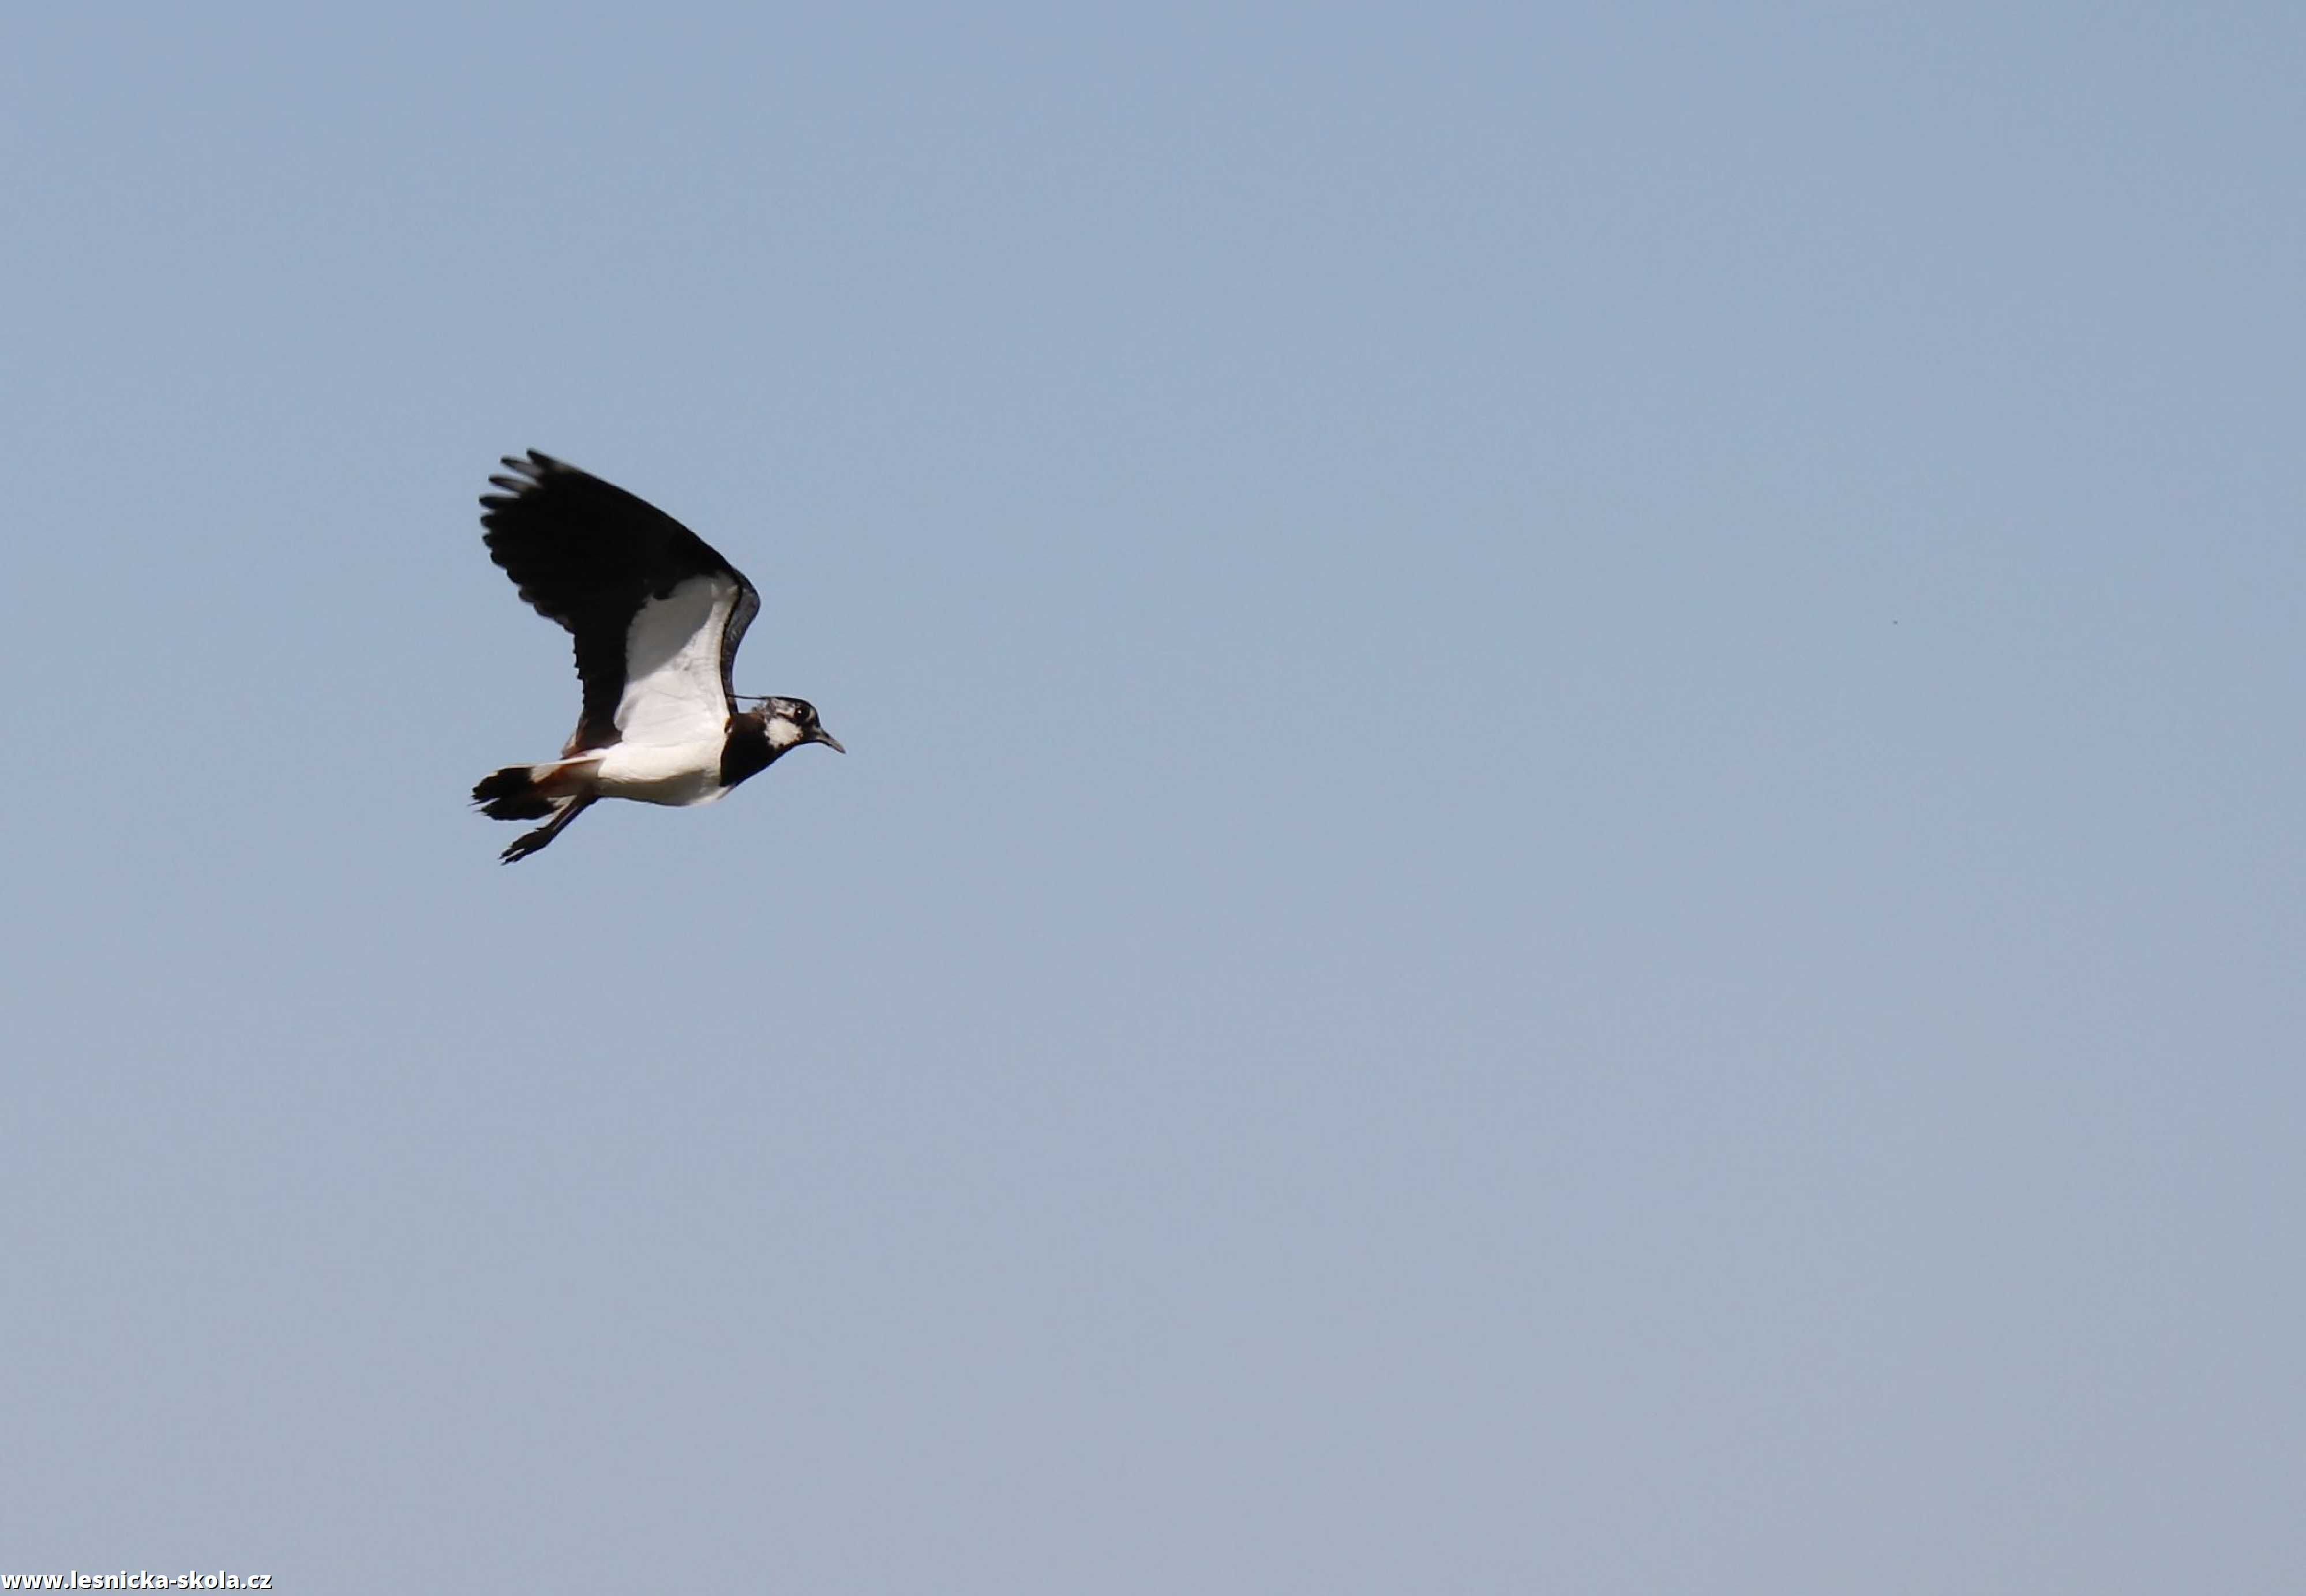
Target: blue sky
(1570,857)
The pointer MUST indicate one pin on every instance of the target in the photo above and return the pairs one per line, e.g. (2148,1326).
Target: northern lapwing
(657,616)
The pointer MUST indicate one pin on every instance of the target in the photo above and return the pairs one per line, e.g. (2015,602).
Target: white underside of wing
(672,667)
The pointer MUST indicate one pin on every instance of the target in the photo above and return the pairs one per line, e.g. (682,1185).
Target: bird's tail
(561,787)
(512,793)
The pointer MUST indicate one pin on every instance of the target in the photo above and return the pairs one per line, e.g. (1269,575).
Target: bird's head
(792,722)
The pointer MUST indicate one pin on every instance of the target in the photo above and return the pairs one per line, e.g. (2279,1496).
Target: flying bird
(657,616)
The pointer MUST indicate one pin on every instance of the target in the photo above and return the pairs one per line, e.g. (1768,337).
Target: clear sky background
(1571,858)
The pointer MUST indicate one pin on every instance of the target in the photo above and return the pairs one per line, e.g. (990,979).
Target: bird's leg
(528,842)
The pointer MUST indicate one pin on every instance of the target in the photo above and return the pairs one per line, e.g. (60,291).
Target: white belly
(680,774)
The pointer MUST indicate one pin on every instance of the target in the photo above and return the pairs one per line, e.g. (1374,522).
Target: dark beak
(822,736)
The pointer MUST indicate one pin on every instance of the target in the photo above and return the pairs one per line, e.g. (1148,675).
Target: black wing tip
(527,470)
(521,477)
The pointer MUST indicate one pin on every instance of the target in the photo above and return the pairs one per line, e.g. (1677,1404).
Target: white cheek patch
(782,733)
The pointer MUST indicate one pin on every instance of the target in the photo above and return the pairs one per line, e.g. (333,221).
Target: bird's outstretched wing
(656,613)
